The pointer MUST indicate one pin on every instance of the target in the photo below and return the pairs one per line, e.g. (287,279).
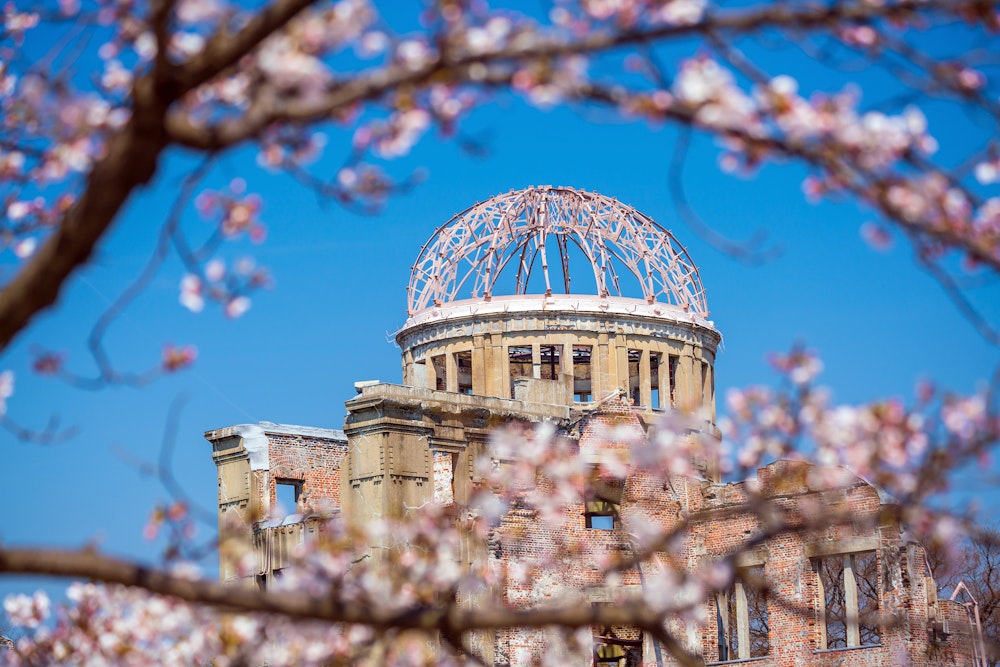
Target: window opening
(742,617)
(848,600)
(440,372)
(520,363)
(618,645)
(444,477)
(599,520)
(634,357)
(287,493)
(654,380)
(582,378)
(463,366)
(601,510)
(550,356)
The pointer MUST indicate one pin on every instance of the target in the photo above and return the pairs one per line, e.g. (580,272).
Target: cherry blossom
(27,611)
(6,389)
(175,358)
(211,76)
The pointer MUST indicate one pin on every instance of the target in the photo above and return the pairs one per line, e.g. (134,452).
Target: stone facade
(404,446)
(597,367)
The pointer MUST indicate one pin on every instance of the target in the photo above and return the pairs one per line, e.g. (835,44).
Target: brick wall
(315,462)
(716,529)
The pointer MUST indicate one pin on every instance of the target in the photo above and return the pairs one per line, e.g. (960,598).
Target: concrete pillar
(742,622)
(479,383)
(431,373)
(407,361)
(687,382)
(645,381)
(851,602)
(599,368)
(536,361)
(450,371)
(663,371)
(499,381)
(566,367)
(709,382)
(620,355)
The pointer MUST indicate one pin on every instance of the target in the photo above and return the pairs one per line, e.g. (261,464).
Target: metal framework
(519,230)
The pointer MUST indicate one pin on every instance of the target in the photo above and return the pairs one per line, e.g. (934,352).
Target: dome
(510,242)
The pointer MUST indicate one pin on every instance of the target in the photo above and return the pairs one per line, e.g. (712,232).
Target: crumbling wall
(313,461)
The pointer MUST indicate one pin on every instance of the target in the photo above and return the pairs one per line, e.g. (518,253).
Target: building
(495,336)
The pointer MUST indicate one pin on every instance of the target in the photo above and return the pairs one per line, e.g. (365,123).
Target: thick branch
(224,49)
(97,567)
(374,84)
(131,161)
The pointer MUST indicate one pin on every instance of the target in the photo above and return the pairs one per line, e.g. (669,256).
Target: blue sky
(879,323)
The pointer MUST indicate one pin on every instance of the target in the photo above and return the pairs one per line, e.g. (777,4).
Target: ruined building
(495,335)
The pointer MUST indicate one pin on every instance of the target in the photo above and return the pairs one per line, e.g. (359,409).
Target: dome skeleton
(481,242)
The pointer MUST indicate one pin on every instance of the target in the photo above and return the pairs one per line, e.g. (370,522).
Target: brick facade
(603,369)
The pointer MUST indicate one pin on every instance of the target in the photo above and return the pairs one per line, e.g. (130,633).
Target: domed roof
(520,231)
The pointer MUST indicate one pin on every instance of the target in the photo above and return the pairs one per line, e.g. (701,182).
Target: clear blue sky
(879,323)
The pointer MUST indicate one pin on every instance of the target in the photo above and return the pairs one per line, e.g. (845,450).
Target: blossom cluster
(905,449)
(420,561)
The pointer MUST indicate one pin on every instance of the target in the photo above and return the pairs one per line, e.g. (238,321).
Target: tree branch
(88,564)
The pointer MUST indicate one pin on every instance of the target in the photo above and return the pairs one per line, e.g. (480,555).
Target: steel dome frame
(479,243)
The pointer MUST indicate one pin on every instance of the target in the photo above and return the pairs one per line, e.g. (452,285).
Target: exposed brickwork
(444,477)
(715,531)
(316,462)
(407,445)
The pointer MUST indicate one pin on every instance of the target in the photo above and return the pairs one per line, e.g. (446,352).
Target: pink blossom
(988,172)
(116,77)
(25,247)
(47,363)
(859,35)
(199,11)
(6,389)
(401,133)
(237,306)
(413,54)
(27,611)
(373,43)
(681,12)
(176,358)
(215,270)
(191,293)
(876,236)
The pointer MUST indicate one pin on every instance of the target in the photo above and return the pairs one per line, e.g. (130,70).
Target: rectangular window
(601,511)
(634,358)
(742,617)
(618,645)
(599,518)
(654,380)
(463,366)
(519,357)
(847,600)
(440,372)
(287,493)
(551,357)
(582,387)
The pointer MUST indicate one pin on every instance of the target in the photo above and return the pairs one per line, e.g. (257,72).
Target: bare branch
(89,564)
